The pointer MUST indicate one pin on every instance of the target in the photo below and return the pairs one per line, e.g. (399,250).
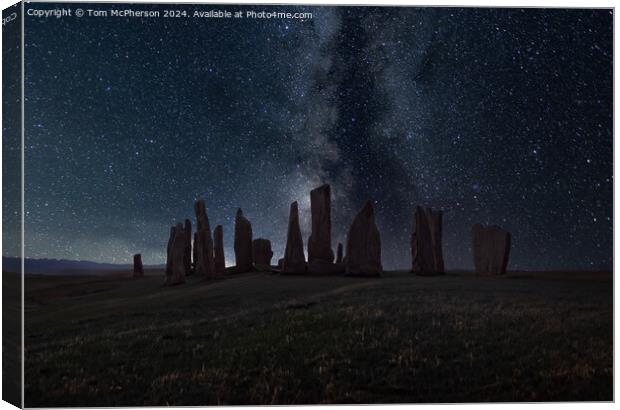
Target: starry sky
(497,116)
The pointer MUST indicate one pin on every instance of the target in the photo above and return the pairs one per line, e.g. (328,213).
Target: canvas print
(254,204)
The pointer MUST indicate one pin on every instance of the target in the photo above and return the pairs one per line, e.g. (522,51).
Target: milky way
(500,116)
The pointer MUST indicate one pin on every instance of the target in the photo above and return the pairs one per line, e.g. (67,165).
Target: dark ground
(11,338)
(268,339)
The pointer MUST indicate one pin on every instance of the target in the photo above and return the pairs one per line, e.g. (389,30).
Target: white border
(457,3)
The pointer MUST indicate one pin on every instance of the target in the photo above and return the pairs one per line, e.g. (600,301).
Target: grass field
(260,338)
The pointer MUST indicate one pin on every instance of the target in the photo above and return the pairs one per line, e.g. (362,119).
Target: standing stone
(169,250)
(339,253)
(294,258)
(177,251)
(261,251)
(491,248)
(243,243)
(204,243)
(204,254)
(320,241)
(364,244)
(426,251)
(187,256)
(138,269)
(219,259)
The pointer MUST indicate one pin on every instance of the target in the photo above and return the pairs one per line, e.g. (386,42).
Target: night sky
(500,116)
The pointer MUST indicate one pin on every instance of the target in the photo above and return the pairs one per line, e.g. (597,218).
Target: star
(488,114)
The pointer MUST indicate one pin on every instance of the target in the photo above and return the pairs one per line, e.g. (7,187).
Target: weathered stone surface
(339,253)
(261,251)
(294,258)
(243,243)
(426,250)
(204,244)
(187,256)
(491,248)
(280,263)
(175,257)
(219,260)
(138,269)
(364,244)
(320,241)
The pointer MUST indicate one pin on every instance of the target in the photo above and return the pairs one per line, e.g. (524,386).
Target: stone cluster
(320,253)
(204,258)
(361,255)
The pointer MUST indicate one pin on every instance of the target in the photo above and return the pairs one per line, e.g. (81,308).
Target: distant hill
(63,266)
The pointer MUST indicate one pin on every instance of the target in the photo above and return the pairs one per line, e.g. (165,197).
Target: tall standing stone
(261,252)
(243,243)
(294,258)
(219,258)
(339,253)
(175,257)
(491,249)
(204,243)
(187,256)
(138,269)
(320,241)
(364,244)
(426,249)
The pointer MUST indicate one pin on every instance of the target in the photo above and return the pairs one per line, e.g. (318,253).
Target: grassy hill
(260,338)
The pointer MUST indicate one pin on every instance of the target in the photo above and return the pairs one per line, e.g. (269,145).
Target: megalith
(138,269)
(491,249)
(426,249)
(294,258)
(219,260)
(175,257)
(364,244)
(261,251)
(243,243)
(204,243)
(320,241)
